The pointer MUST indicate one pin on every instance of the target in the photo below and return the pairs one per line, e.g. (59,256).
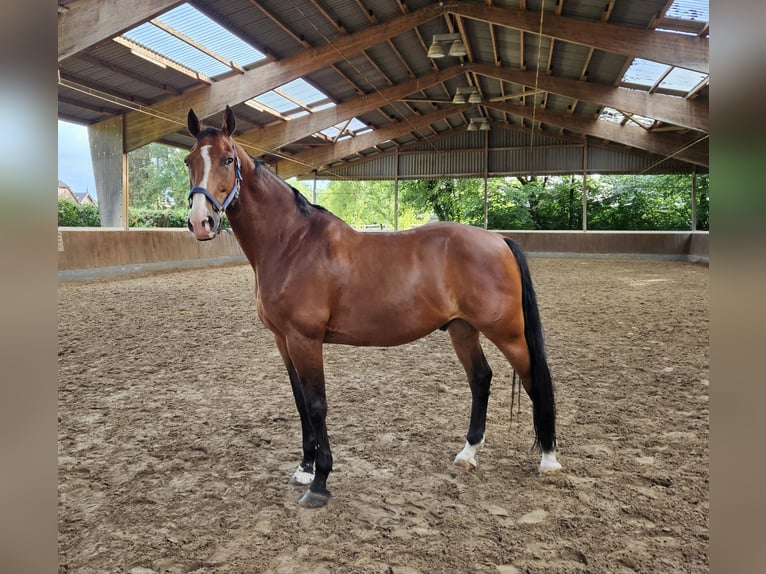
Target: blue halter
(233,194)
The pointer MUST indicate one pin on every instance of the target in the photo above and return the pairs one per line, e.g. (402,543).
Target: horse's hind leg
(516,351)
(465,341)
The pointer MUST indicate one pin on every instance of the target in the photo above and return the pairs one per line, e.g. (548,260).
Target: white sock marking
(302,477)
(549,464)
(469,452)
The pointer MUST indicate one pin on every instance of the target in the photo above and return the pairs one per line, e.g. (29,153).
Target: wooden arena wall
(92,252)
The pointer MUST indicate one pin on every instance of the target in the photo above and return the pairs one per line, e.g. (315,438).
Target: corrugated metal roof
(107,79)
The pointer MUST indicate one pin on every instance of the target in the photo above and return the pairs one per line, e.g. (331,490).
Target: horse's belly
(371,329)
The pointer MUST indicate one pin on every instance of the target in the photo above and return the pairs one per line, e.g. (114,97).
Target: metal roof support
(694,199)
(585,186)
(396,189)
(486,175)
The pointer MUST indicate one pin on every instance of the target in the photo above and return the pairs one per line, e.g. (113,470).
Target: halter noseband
(233,194)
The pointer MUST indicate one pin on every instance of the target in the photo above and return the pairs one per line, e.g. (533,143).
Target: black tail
(543,403)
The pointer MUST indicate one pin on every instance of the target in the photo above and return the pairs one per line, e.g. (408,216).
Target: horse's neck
(267,217)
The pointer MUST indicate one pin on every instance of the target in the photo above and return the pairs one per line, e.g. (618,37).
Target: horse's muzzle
(204,228)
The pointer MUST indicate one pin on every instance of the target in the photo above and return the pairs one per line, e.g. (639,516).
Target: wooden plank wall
(95,248)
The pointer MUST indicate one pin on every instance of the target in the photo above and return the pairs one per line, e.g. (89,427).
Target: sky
(74,165)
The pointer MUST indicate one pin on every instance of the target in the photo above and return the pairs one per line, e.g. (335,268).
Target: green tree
(360,203)
(157,177)
(459,200)
(643,203)
(71,214)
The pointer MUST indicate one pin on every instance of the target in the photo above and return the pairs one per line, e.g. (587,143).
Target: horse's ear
(192,122)
(229,121)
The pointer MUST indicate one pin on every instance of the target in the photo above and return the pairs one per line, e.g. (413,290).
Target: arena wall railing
(95,252)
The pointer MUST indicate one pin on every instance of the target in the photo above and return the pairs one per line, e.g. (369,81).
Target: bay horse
(317,280)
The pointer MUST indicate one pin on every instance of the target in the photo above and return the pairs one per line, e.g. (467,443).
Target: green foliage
(646,203)
(158,182)
(157,177)
(72,214)
(366,203)
(141,217)
(660,202)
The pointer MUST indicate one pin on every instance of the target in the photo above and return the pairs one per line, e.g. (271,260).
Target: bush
(73,214)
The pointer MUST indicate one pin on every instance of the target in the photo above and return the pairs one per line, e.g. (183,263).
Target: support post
(110,170)
(585,187)
(486,174)
(396,190)
(694,199)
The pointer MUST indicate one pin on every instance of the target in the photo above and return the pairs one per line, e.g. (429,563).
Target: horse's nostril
(189,225)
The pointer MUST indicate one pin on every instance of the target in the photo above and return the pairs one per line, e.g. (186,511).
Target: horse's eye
(229,160)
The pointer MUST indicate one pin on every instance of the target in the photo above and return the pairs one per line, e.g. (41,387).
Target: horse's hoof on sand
(465,464)
(552,470)
(314,499)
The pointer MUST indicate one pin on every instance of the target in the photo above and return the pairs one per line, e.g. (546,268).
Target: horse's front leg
(306,357)
(304,474)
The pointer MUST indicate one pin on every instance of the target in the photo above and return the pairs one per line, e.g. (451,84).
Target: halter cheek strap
(233,194)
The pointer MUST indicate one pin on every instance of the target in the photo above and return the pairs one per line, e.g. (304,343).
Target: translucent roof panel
(192,23)
(611,115)
(698,10)
(201,30)
(354,126)
(276,102)
(644,72)
(303,92)
(681,79)
(175,49)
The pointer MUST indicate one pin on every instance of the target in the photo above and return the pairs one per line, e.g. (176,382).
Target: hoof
(314,499)
(550,470)
(465,464)
(302,477)
(549,466)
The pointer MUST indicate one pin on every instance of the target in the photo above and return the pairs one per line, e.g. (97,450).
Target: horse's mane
(304,206)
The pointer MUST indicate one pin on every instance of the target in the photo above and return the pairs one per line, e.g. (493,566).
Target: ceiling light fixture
(468,94)
(446,45)
(480,123)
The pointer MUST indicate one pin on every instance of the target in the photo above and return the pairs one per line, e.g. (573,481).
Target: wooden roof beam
(89,22)
(690,52)
(305,162)
(687,113)
(660,143)
(287,132)
(144,128)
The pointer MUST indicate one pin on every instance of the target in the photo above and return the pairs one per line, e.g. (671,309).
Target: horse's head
(214,174)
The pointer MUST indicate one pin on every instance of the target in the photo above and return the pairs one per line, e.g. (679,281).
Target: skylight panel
(682,80)
(611,115)
(302,91)
(355,125)
(175,49)
(644,72)
(277,103)
(330,132)
(192,23)
(697,10)
(191,39)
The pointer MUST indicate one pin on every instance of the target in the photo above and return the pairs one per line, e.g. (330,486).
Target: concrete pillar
(110,171)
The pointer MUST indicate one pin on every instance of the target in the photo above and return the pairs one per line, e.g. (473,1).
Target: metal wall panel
(551,159)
